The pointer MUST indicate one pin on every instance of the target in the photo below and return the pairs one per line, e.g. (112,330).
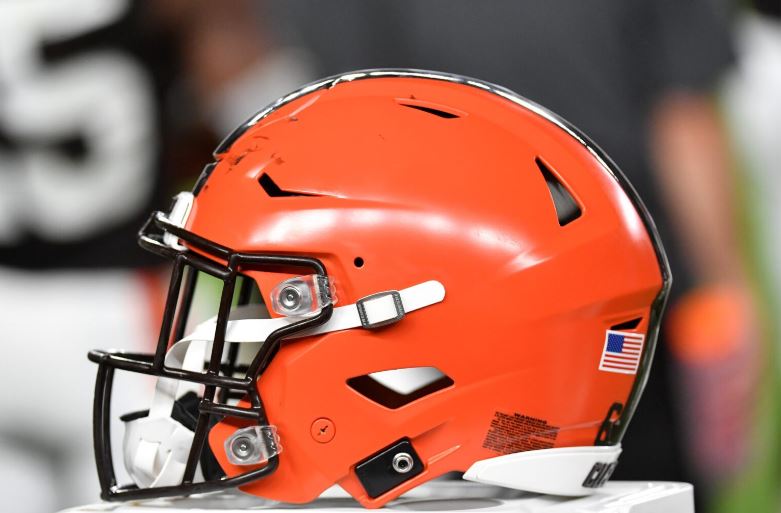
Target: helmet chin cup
(155,451)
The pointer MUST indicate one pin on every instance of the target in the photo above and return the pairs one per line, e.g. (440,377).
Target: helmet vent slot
(627,325)
(567,209)
(274,191)
(429,109)
(399,387)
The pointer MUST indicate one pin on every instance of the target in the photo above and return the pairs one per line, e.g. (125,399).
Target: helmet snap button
(402,463)
(323,430)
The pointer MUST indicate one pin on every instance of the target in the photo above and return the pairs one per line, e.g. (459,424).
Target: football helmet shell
(384,180)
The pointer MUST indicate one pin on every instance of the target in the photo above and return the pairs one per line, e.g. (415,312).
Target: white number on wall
(102,97)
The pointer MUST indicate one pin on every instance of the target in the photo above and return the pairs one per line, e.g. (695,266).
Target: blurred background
(109,107)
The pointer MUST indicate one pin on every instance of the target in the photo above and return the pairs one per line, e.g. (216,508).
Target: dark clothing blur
(602,65)
(146,54)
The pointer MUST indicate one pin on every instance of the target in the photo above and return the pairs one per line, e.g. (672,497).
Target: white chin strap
(156,447)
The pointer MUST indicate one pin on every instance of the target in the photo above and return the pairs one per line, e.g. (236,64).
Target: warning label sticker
(518,433)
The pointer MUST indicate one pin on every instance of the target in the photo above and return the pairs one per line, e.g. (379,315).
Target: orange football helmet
(420,273)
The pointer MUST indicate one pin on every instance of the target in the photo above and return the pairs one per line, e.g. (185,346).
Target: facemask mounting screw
(290,298)
(242,448)
(252,445)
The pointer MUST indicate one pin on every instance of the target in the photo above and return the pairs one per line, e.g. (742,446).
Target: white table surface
(614,497)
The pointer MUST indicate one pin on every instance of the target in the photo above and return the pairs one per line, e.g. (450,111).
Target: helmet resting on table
(419,274)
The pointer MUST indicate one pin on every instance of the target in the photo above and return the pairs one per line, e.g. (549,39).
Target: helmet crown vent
(274,191)
(567,208)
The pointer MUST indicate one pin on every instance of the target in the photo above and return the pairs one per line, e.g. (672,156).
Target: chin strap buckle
(381,309)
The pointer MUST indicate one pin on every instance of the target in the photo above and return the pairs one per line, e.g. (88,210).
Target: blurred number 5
(101,97)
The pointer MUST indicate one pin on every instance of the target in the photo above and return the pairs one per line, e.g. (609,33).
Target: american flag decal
(621,352)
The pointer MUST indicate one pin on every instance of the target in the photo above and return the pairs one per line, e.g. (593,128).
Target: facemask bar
(230,368)
(153,364)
